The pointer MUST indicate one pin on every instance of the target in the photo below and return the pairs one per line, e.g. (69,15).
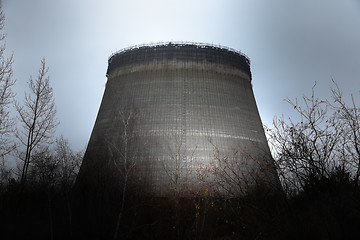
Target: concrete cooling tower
(178,118)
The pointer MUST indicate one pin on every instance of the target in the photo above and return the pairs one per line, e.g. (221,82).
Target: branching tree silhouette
(231,172)
(68,162)
(37,116)
(122,153)
(178,168)
(6,94)
(234,172)
(55,166)
(325,138)
(348,120)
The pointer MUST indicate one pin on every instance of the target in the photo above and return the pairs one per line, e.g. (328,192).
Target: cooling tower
(178,118)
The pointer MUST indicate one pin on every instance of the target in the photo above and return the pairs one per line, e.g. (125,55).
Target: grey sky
(291,45)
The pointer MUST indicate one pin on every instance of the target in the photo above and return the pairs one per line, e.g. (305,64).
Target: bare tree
(180,166)
(68,162)
(43,170)
(179,169)
(235,172)
(177,155)
(232,172)
(348,120)
(55,166)
(37,116)
(53,169)
(325,138)
(123,154)
(6,95)
(5,175)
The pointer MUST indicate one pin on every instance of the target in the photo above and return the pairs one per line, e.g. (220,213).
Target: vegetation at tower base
(191,101)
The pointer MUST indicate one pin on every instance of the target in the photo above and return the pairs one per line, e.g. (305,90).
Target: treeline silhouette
(327,208)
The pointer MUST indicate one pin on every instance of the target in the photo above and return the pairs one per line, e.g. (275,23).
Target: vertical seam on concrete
(184,115)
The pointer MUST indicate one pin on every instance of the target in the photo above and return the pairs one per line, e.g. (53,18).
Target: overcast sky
(291,45)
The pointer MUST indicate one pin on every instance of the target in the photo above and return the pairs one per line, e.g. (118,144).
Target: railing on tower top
(180,44)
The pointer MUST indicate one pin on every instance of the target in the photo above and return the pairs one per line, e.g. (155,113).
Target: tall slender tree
(123,158)
(6,94)
(38,117)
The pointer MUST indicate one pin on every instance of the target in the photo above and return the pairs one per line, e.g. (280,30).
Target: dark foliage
(327,208)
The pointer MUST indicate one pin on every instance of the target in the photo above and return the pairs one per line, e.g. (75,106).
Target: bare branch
(38,115)
(6,95)
(326,136)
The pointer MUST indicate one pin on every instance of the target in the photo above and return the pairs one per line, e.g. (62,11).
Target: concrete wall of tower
(192,117)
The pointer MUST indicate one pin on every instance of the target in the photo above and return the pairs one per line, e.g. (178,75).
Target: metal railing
(180,44)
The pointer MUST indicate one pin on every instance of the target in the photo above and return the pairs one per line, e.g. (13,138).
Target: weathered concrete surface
(179,120)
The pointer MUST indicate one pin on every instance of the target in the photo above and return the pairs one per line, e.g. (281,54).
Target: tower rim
(183,51)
